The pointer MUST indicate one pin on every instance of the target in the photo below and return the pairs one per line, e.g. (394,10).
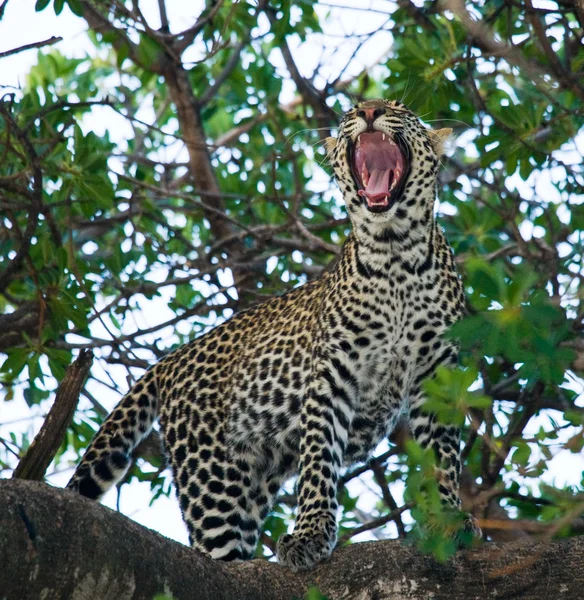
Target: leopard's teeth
(396,176)
(383,136)
(364,177)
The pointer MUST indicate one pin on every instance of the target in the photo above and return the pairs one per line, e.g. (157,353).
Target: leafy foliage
(166,180)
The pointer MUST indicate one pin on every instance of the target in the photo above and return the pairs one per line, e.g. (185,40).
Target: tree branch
(418,14)
(232,62)
(45,445)
(188,36)
(52,40)
(56,544)
(375,523)
(227,69)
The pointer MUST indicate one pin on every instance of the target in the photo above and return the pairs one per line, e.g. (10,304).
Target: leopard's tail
(109,455)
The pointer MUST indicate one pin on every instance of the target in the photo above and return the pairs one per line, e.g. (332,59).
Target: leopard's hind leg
(224,497)
(211,486)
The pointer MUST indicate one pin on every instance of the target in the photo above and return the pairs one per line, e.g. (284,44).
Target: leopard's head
(386,162)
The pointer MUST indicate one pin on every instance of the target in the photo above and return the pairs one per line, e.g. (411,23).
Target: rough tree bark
(54,544)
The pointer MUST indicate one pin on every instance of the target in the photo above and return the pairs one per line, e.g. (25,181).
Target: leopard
(309,382)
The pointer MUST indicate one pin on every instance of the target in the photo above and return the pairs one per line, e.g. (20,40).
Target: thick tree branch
(201,169)
(55,544)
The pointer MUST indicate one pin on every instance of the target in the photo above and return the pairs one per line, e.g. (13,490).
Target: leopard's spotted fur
(310,381)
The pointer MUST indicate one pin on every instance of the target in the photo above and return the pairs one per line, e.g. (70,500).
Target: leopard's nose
(370,114)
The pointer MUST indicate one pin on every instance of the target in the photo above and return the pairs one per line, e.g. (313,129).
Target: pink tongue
(378,184)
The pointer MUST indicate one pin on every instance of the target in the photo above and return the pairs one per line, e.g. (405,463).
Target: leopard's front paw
(468,532)
(301,552)
(471,526)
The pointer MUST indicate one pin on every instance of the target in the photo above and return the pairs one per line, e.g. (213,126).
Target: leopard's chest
(387,357)
(385,377)
(384,337)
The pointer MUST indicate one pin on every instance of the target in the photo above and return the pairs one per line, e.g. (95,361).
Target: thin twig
(52,40)
(392,516)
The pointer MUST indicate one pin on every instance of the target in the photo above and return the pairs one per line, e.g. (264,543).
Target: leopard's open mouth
(379,168)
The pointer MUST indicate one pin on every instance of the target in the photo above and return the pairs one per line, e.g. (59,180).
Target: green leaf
(123,52)
(522,454)
(15,362)
(485,278)
(148,51)
(76,7)
(41,5)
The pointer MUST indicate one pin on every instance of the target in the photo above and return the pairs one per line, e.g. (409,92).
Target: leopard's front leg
(325,419)
(445,441)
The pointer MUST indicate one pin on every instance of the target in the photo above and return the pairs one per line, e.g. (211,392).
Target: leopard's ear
(439,137)
(330,144)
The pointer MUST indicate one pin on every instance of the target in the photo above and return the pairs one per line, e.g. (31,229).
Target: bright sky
(21,25)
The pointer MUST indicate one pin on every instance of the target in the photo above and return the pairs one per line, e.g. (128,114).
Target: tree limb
(55,544)
(100,24)
(45,445)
